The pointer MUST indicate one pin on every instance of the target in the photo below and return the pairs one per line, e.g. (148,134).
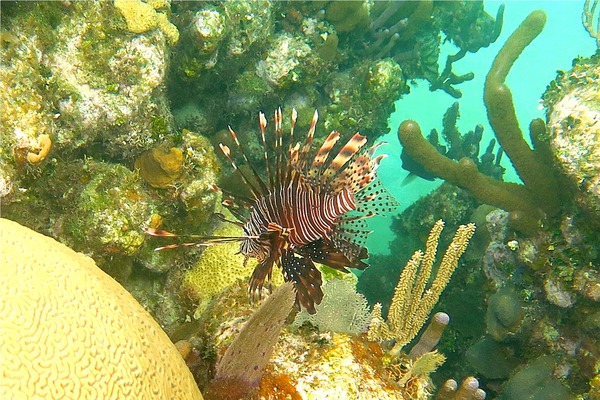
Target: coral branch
(501,114)
(506,195)
(540,193)
(587,17)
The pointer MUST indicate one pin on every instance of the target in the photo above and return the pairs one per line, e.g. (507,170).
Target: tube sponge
(69,331)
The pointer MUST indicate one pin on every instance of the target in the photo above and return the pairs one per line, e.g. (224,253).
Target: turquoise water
(563,39)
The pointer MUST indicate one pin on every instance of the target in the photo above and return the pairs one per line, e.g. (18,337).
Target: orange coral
(44,146)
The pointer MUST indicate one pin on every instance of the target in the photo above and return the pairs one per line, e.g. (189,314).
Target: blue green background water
(563,39)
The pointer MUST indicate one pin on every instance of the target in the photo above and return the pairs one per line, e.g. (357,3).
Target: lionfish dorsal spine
(227,152)
(263,188)
(262,123)
(322,155)
(304,153)
(280,166)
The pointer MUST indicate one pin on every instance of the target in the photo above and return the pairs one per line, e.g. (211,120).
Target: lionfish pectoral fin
(261,274)
(325,252)
(306,278)
(199,239)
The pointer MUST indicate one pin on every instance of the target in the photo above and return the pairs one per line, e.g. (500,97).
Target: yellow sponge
(142,17)
(69,331)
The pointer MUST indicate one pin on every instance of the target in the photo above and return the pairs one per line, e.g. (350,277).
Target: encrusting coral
(540,193)
(160,166)
(69,331)
(142,17)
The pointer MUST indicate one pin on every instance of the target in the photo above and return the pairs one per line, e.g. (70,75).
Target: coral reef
(342,58)
(409,33)
(83,92)
(110,209)
(68,330)
(110,106)
(545,304)
(540,195)
(306,364)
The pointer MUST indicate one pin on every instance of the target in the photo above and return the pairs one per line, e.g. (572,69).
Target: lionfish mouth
(307,208)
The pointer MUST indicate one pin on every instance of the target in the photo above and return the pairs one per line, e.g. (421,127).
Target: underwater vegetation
(111,112)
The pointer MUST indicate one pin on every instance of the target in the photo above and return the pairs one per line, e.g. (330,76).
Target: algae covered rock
(109,212)
(69,331)
(74,77)
(573,103)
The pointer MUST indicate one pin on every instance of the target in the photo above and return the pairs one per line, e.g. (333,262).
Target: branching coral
(458,146)
(587,17)
(413,300)
(539,195)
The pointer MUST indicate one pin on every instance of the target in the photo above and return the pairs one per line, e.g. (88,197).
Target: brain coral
(69,331)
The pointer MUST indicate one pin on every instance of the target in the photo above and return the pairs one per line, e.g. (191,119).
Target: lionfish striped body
(308,210)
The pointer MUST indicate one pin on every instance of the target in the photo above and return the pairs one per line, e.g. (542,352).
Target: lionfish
(309,209)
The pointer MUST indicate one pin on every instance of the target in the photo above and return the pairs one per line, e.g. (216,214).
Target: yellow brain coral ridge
(142,17)
(69,331)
